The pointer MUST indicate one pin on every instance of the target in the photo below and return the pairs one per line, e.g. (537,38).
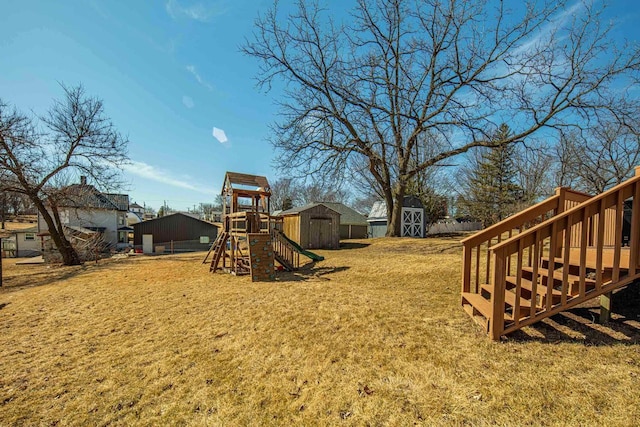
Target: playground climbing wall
(261,257)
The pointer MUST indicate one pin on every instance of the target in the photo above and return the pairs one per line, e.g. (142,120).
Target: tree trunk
(67,251)
(394,213)
(3,211)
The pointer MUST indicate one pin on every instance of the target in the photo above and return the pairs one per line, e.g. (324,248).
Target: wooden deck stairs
(552,256)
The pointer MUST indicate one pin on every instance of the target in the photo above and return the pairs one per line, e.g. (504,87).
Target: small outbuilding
(413,218)
(177,232)
(313,226)
(353,225)
(27,243)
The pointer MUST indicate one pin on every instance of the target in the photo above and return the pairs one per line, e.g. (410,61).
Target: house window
(122,237)
(29,236)
(121,220)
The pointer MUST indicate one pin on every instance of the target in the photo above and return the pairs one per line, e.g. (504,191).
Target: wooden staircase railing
(516,272)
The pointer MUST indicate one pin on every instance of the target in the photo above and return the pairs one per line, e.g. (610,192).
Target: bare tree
(284,193)
(598,158)
(367,91)
(290,192)
(533,164)
(38,155)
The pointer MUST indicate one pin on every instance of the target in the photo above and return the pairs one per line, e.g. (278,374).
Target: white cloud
(219,135)
(199,11)
(194,72)
(152,173)
(556,23)
(188,101)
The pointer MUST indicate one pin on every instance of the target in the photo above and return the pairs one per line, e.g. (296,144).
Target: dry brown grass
(373,335)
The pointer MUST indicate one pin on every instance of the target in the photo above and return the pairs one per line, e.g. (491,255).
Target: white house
(85,209)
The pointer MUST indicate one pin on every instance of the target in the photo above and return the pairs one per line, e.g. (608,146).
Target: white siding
(26,247)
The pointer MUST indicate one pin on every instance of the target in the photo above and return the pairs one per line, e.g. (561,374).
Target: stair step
(478,302)
(557,275)
(528,285)
(509,297)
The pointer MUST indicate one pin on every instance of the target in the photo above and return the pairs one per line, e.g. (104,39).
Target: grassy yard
(373,335)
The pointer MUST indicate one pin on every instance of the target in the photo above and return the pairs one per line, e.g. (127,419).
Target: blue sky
(169,72)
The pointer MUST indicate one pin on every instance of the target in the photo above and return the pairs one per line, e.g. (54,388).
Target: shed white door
(412,222)
(147,243)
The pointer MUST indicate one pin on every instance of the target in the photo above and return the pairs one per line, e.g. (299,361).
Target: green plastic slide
(299,249)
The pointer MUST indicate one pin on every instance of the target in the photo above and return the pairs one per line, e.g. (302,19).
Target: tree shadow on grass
(309,272)
(353,245)
(581,324)
(32,279)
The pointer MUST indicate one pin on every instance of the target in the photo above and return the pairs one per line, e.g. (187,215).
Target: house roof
(378,211)
(33,229)
(120,200)
(299,209)
(87,196)
(348,216)
(134,205)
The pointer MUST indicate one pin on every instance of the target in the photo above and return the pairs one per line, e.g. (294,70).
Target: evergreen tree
(490,191)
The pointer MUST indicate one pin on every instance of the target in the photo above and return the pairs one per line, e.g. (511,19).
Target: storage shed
(413,222)
(353,225)
(27,243)
(180,232)
(313,226)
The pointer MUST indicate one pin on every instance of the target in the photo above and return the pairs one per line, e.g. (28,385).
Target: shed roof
(378,211)
(161,218)
(33,229)
(379,208)
(348,216)
(308,206)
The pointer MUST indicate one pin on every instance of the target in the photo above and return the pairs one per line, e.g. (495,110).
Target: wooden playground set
(251,240)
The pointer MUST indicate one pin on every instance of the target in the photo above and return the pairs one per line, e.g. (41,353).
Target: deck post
(466,268)
(605,307)
(496,323)
(561,192)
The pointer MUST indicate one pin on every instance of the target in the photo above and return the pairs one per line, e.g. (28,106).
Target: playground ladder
(218,248)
